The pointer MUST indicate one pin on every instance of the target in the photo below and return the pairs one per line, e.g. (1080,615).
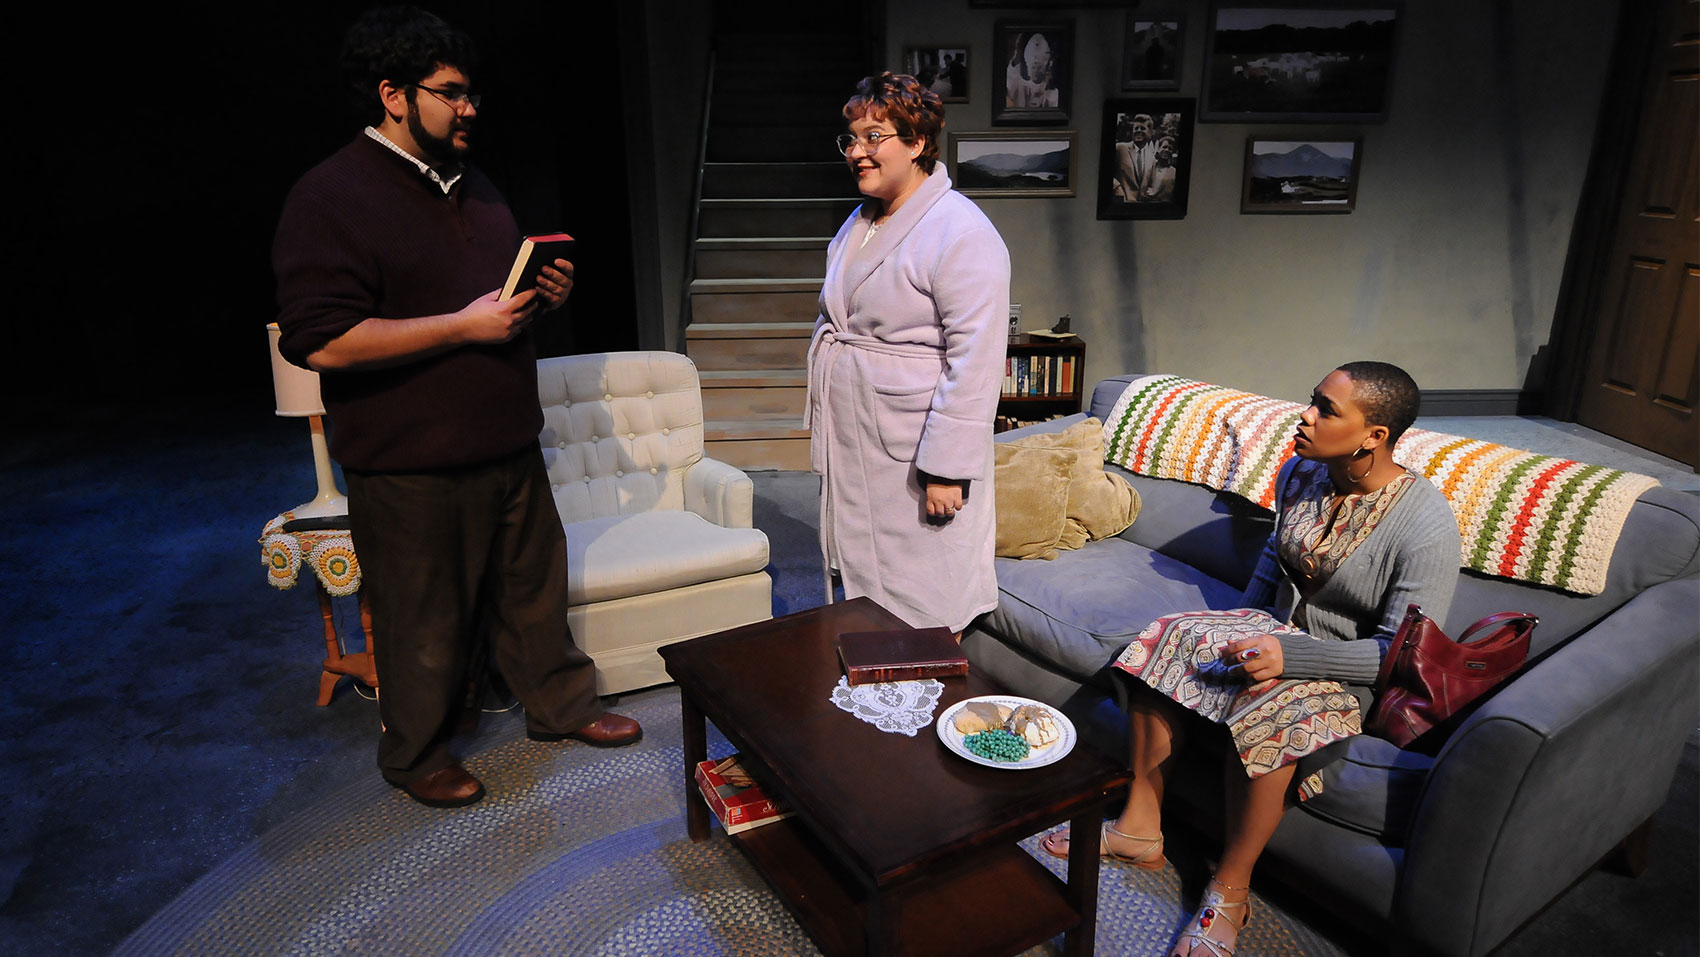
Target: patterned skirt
(1273,722)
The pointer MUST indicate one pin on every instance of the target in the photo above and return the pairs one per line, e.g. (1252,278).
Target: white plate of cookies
(1006,731)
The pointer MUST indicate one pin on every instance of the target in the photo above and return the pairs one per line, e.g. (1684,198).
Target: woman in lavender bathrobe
(905,370)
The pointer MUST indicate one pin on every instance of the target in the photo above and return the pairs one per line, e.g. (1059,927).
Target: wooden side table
(329,555)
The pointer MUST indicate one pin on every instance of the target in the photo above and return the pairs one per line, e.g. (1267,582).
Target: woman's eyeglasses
(869,141)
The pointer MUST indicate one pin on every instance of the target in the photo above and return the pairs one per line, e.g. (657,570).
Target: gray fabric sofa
(1447,854)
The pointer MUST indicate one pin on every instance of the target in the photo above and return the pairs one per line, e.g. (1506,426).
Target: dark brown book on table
(535,253)
(906,655)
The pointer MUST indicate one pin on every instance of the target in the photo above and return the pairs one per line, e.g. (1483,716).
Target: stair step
(772,218)
(732,104)
(713,349)
(758,257)
(757,143)
(763,403)
(750,330)
(820,42)
(749,378)
(743,429)
(756,307)
(753,454)
(777,180)
(759,284)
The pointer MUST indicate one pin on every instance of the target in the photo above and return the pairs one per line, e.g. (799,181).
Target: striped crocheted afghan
(1531,517)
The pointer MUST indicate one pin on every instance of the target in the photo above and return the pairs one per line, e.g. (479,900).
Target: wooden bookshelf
(1043,379)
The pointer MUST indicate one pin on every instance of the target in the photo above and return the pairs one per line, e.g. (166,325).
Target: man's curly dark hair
(403,45)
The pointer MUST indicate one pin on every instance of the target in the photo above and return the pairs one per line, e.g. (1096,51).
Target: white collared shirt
(430,173)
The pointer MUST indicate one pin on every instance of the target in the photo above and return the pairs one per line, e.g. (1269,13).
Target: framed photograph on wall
(1032,71)
(1033,164)
(944,69)
(1301,175)
(1151,53)
(1145,158)
(1299,62)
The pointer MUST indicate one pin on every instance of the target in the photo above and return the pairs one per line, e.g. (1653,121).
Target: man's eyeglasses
(459,99)
(870,141)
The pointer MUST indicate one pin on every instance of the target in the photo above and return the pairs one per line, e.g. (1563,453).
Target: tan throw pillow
(1032,497)
(1100,503)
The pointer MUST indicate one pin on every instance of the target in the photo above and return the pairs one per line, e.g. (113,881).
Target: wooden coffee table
(897,846)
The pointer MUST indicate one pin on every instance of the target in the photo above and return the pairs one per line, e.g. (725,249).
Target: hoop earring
(1355,479)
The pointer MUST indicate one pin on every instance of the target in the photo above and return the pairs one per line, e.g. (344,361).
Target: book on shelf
(535,252)
(736,800)
(902,655)
(1048,334)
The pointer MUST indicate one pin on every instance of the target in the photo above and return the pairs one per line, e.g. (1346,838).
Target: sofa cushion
(1217,533)
(1080,610)
(1100,503)
(618,556)
(1369,785)
(1032,499)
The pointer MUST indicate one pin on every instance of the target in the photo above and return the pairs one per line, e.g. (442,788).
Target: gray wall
(1449,265)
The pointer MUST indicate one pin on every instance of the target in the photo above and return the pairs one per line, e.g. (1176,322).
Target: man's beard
(438,150)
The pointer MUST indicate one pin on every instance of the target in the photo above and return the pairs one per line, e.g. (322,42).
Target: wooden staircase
(773,194)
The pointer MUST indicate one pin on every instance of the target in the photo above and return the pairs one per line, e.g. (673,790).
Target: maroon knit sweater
(365,234)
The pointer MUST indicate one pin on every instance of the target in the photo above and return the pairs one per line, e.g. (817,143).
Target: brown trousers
(450,556)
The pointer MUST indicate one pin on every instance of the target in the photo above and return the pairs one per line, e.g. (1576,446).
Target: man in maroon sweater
(389,258)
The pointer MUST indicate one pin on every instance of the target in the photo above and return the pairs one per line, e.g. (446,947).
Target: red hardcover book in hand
(535,253)
(906,655)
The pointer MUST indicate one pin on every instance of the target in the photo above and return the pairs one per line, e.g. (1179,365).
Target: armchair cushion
(620,431)
(619,556)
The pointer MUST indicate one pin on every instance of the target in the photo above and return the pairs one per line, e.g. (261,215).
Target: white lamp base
(330,501)
(325,506)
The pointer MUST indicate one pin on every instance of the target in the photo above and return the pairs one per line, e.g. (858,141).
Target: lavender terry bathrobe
(904,374)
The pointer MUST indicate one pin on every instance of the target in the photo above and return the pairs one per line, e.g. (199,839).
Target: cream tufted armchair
(659,539)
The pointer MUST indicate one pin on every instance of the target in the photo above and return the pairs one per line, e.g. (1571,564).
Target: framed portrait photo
(1032,71)
(1299,62)
(1145,158)
(1032,164)
(1301,175)
(943,69)
(1151,53)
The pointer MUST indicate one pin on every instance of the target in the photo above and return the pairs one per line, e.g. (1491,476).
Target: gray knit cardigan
(1412,555)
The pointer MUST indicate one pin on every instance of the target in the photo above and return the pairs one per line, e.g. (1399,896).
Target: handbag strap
(1495,621)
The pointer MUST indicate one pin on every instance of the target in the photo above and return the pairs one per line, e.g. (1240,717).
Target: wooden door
(1642,379)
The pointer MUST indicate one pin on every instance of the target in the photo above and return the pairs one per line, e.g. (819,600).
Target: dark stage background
(155,145)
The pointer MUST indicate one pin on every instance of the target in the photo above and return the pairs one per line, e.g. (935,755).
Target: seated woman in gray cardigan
(1357,539)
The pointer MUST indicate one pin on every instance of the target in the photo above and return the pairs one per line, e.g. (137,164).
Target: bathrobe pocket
(900,413)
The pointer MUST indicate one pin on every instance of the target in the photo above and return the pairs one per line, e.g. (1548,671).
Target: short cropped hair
(403,45)
(910,106)
(1387,395)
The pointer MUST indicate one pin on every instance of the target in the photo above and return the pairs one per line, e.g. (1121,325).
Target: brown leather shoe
(608,731)
(452,786)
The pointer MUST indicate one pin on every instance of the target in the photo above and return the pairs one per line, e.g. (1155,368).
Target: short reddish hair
(915,110)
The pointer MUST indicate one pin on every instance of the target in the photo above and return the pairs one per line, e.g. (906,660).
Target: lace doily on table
(900,707)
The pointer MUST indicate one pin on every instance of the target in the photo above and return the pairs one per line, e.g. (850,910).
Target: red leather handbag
(1428,678)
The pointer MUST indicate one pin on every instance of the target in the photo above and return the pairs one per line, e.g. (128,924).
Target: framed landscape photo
(1017,164)
(943,69)
(1299,62)
(1300,175)
(1145,158)
(1032,71)
(1151,55)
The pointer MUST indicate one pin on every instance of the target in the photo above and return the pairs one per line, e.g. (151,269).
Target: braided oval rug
(574,850)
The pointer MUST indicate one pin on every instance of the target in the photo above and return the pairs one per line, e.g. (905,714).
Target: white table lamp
(298,395)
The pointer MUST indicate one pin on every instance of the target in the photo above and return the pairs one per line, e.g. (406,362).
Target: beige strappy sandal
(1151,859)
(1213,908)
